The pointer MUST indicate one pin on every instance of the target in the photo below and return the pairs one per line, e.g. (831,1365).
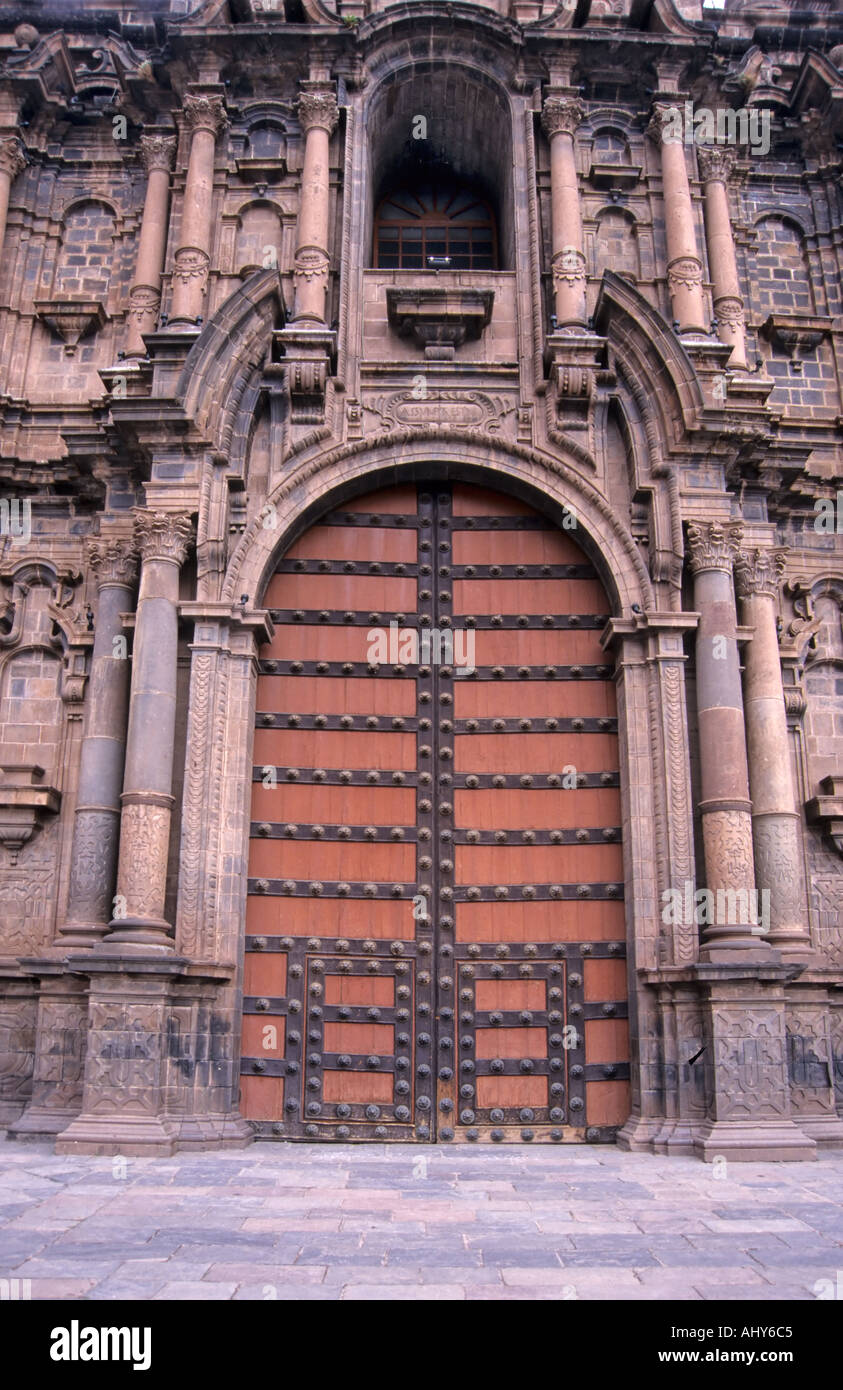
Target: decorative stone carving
(318,109)
(759,572)
(729,310)
(144,304)
(113,561)
(162,535)
(562,114)
(157,152)
(204,112)
(715,162)
(71,319)
(568,267)
(311,264)
(24,804)
(144,839)
(827,810)
(727,836)
(439,320)
(13,156)
(685,273)
(95,842)
(191,264)
(713,545)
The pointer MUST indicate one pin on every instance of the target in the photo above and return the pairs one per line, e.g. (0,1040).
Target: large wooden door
(435,938)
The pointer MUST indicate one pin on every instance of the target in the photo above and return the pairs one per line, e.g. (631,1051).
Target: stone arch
(550,484)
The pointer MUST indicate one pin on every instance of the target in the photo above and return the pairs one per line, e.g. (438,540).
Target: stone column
(560,118)
(716,164)
(96,831)
(318,116)
(157,152)
(776,824)
(684,267)
(12,162)
(724,804)
(204,116)
(138,923)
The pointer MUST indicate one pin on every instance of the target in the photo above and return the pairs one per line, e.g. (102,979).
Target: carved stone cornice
(759,571)
(114,562)
(204,112)
(13,156)
(318,111)
(716,162)
(158,152)
(162,535)
(713,545)
(563,114)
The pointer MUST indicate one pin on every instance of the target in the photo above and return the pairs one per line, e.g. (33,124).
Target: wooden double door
(435,943)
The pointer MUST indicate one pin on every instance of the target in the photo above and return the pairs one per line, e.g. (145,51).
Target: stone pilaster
(561,117)
(204,117)
(724,805)
(776,824)
(147,800)
(318,115)
(716,164)
(12,162)
(157,153)
(684,267)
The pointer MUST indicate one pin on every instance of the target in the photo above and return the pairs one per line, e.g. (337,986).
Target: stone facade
(199,357)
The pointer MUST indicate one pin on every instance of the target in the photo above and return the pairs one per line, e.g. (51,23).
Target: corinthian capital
(716,163)
(713,545)
(157,152)
(162,535)
(759,572)
(318,110)
(562,114)
(13,157)
(113,561)
(666,124)
(204,112)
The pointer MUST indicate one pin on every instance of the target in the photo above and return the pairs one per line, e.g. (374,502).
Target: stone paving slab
(391,1223)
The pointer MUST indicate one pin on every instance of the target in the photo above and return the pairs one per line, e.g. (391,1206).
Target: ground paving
(284,1222)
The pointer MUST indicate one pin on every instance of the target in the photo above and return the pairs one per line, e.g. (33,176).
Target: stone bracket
(827,810)
(24,804)
(439,320)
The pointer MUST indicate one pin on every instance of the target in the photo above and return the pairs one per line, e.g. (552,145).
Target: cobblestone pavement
(338,1221)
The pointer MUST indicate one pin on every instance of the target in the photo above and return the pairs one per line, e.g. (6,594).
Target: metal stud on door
(435,944)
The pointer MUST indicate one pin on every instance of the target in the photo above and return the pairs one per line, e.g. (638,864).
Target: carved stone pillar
(138,923)
(96,831)
(204,116)
(776,824)
(12,163)
(560,118)
(318,115)
(716,164)
(684,267)
(157,152)
(724,805)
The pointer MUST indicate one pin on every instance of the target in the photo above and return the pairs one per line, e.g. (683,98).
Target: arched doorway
(435,927)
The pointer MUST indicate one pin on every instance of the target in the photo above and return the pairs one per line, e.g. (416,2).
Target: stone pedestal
(60,1046)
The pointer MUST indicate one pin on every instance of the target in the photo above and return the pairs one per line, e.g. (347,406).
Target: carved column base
(60,1040)
(744,1142)
(132,1136)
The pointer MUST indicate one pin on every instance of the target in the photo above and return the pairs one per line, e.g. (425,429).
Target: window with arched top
(610,148)
(432,225)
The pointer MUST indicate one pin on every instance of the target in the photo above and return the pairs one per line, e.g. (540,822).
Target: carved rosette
(713,545)
(162,535)
(13,157)
(684,273)
(562,115)
(568,267)
(318,111)
(204,112)
(760,572)
(191,264)
(158,152)
(114,562)
(716,163)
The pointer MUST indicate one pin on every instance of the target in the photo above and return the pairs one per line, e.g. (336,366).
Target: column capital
(158,152)
(113,561)
(716,163)
(713,545)
(13,156)
(563,114)
(666,124)
(204,112)
(759,571)
(318,111)
(162,535)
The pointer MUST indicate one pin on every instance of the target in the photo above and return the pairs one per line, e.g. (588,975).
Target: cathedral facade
(421,574)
